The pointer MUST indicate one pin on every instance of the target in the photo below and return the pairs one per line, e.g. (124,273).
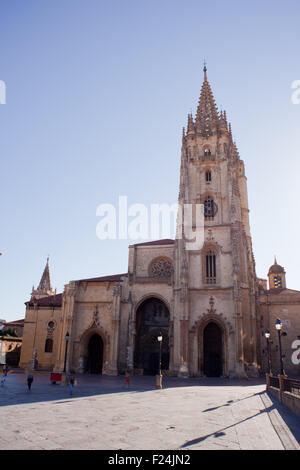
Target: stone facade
(206,303)
(278,302)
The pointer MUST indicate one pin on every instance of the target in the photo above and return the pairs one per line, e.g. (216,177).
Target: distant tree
(8,332)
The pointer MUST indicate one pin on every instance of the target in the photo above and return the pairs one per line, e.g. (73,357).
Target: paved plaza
(187,414)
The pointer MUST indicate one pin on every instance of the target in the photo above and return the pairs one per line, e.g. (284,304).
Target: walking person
(127,378)
(71,384)
(5,370)
(29,380)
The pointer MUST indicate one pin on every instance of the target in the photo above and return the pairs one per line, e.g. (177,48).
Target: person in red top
(127,379)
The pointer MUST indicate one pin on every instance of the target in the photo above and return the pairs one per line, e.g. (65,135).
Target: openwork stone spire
(45,283)
(44,289)
(207,118)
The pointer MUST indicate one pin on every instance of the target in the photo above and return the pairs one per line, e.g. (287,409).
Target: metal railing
(274,381)
(288,385)
(292,386)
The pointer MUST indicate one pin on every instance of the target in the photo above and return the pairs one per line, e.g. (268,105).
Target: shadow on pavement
(15,389)
(291,420)
(221,432)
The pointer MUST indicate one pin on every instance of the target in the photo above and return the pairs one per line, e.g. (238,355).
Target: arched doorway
(152,319)
(95,355)
(212,350)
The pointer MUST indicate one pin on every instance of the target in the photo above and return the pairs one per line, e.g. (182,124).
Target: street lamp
(267,336)
(67,337)
(278,326)
(159,376)
(159,339)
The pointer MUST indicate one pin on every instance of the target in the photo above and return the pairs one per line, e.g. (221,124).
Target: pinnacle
(45,283)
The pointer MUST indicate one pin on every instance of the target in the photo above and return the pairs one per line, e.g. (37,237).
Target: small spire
(205,70)
(45,283)
(275,260)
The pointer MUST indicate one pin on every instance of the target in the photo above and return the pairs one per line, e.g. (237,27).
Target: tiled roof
(15,322)
(282,291)
(49,301)
(112,278)
(165,241)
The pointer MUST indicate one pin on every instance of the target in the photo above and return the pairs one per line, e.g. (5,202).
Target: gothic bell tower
(220,273)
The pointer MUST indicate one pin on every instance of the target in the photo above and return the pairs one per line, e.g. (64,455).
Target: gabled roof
(49,301)
(16,322)
(282,291)
(164,241)
(112,278)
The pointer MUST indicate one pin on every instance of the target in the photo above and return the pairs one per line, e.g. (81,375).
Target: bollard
(159,381)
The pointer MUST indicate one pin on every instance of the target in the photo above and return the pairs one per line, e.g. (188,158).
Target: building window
(210,268)
(49,345)
(210,208)
(277,282)
(208,176)
(161,268)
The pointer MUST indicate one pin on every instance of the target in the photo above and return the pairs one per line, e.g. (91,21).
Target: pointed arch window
(210,267)
(210,208)
(49,345)
(208,176)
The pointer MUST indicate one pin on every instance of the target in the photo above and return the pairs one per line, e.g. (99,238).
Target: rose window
(161,268)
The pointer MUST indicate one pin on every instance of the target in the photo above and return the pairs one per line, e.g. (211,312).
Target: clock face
(277,282)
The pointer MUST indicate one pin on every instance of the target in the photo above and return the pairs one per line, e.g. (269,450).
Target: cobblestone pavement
(186,414)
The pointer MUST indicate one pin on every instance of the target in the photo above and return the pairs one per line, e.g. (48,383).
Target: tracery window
(210,208)
(210,267)
(161,268)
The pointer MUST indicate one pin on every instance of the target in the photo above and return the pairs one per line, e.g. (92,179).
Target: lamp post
(159,376)
(67,337)
(267,336)
(278,326)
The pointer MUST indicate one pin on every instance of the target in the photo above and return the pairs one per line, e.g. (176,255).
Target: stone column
(66,326)
(183,368)
(113,360)
(239,371)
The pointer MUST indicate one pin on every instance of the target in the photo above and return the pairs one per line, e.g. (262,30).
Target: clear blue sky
(97,95)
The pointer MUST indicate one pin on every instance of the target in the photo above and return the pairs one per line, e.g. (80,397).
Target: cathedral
(206,304)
